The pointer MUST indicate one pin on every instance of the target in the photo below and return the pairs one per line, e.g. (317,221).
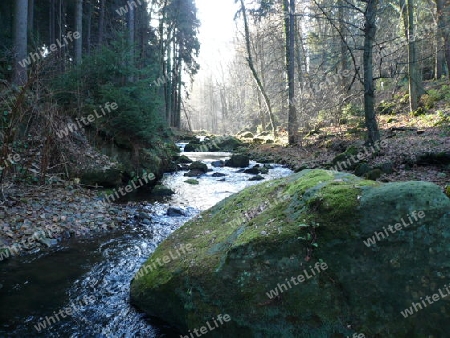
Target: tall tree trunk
(298,56)
(52,22)
(440,54)
(30,18)
(101,22)
(179,98)
(79,29)
(253,69)
(169,81)
(131,36)
(289,28)
(415,81)
(88,42)
(414,76)
(343,45)
(447,51)
(62,30)
(369,90)
(446,33)
(262,116)
(20,76)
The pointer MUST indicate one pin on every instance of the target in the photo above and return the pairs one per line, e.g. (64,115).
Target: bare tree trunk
(298,57)
(414,76)
(253,69)
(62,24)
(447,52)
(79,29)
(30,18)
(20,76)
(289,26)
(169,80)
(446,33)
(101,22)
(52,22)
(440,54)
(344,60)
(131,35)
(89,28)
(369,90)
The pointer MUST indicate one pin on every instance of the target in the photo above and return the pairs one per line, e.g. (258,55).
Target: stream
(91,276)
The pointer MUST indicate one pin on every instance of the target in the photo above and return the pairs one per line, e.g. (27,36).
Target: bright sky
(216,32)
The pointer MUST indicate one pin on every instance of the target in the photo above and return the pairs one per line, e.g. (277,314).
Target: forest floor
(34,217)
(409,140)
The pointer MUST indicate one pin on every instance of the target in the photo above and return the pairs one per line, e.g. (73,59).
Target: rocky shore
(36,217)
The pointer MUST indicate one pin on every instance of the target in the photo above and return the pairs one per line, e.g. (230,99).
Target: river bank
(33,218)
(100,265)
(408,155)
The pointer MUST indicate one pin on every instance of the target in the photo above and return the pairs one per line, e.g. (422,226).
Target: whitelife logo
(204,330)
(378,236)
(72,127)
(342,165)
(319,267)
(124,10)
(117,193)
(26,243)
(10,160)
(34,57)
(417,306)
(68,311)
(181,250)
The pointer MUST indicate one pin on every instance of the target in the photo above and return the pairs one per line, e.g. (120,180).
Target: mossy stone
(373,175)
(254,241)
(192,181)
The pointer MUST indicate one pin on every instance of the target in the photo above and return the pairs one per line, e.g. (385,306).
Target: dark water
(81,288)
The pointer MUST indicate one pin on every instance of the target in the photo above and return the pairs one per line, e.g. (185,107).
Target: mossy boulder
(247,135)
(162,191)
(346,160)
(238,161)
(192,181)
(198,165)
(220,143)
(106,178)
(192,146)
(362,169)
(183,159)
(258,240)
(373,174)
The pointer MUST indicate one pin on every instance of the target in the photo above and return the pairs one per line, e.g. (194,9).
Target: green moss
(192,181)
(373,174)
(420,111)
(265,235)
(309,179)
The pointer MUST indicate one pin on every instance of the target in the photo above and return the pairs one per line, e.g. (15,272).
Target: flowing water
(81,287)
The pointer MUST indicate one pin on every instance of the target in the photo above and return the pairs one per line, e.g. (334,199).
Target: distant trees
(159,55)
(345,52)
(252,67)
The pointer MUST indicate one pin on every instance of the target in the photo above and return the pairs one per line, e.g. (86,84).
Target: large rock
(197,165)
(106,178)
(213,144)
(238,161)
(162,191)
(221,143)
(304,238)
